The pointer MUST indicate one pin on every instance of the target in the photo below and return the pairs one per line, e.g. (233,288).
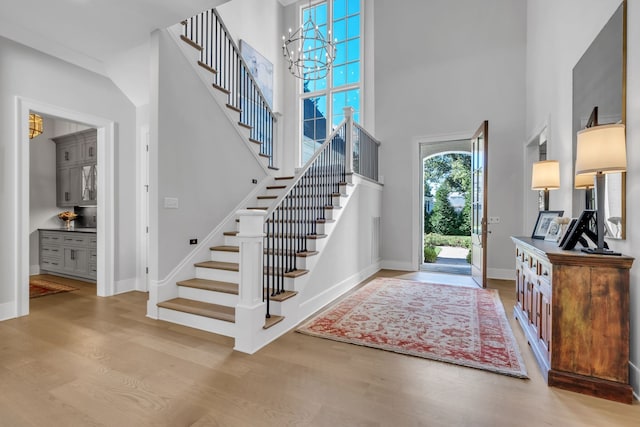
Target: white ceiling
(90,33)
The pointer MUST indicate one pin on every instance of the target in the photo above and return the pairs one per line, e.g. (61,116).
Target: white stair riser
(198,322)
(225,256)
(231,240)
(289,282)
(212,297)
(222,98)
(215,274)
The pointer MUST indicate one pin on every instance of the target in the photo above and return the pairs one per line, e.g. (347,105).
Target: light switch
(171,203)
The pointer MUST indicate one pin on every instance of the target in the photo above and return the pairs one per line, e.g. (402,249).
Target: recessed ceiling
(91,32)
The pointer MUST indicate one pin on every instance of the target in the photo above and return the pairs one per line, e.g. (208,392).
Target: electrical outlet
(254,181)
(494,220)
(193,241)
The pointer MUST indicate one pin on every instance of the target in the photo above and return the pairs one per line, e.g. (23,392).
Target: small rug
(461,325)
(41,287)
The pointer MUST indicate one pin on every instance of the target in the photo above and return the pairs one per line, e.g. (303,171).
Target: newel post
(348,114)
(250,311)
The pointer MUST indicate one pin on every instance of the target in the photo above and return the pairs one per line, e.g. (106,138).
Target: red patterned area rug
(461,325)
(41,287)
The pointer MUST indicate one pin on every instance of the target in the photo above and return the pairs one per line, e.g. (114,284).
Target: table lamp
(601,150)
(545,176)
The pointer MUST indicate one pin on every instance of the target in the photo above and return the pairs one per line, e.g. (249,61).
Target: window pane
(320,16)
(354,6)
(340,29)
(353,72)
(321,106)
(341,53)
(340,75)
(339,8)
(353,50)
(353,26)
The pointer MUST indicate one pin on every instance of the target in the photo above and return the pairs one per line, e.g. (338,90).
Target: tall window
(323,99)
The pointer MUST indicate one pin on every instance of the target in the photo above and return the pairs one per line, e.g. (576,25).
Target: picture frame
(580,227)
(543,222)
(554,232)
(567,232)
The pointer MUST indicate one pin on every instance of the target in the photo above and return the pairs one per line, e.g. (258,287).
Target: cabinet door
(89,185)
(76,261)
(68,184)
(67,154)
(89,150)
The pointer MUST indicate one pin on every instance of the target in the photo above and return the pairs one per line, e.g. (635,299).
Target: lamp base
(598,251)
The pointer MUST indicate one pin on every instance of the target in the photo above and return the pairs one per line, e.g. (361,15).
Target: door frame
(417,238)
(105,206)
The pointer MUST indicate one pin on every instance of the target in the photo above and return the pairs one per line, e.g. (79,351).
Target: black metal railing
(365,153)
(221,53)
(295,218)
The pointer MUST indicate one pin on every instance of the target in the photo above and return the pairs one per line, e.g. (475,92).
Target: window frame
(330,90)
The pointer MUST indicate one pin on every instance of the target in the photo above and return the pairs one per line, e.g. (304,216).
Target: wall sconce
(35,125)
(601,150)
(545,176)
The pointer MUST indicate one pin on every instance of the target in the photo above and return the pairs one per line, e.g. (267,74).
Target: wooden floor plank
(79,359)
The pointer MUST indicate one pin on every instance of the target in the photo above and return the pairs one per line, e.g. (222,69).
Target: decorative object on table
(601,150)
(543,222)
(545,176)
(462,325)
(567,231)
(41,287)
(556,229)
(580,230)
(67,217)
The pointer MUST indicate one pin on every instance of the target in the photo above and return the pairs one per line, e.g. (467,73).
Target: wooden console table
(574,310)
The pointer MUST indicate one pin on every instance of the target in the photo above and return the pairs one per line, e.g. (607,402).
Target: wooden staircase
(208,300)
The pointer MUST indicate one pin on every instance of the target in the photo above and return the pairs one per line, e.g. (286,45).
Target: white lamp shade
(601,149)
(584,181)
(545,175)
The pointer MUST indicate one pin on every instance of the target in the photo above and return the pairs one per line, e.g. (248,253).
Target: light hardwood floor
(80,360)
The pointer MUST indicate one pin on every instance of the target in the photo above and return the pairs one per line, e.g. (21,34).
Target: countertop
(72,230)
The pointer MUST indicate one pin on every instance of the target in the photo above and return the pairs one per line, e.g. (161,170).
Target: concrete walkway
(450,260)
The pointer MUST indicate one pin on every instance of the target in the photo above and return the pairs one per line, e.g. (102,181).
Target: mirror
(599,81)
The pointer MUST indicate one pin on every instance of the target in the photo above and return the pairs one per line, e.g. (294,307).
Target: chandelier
(308,52)
(35,125)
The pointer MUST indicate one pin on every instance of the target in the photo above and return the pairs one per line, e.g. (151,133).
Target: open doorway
(104,198)
(447,208)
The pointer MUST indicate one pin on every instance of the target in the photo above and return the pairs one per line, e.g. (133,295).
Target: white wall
(441,68)
(557,38)
(197,156)
(30,74)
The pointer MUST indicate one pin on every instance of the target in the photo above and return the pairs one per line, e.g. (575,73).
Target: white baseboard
(8,311)
(397,265)
(127,285)
(501,273)
(634,380)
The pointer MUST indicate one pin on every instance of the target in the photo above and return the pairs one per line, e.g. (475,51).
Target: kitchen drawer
(76,239)
(50,237)
(51,265)
(50,252)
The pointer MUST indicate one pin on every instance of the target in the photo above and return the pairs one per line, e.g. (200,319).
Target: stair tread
(255,141)
(267,197)
(279,178)
(302,254)
(270,321)
(225,248)
(276,187)
(219,265)
(211,285)
(282,296)
(293,274)
(220,88)
(244,125)
(213,311)
(234,108)
(295,236)
(230,233)
(207,67)
(257,208)
(191,43)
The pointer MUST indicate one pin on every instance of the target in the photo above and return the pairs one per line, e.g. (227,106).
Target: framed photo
(554,232)
(567,232)
(545,218)
(580,227)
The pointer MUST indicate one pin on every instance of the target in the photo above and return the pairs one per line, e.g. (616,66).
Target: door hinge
(147,229)
(147,270)
(147,147)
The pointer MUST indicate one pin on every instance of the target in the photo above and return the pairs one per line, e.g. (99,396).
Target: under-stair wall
(204,168)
